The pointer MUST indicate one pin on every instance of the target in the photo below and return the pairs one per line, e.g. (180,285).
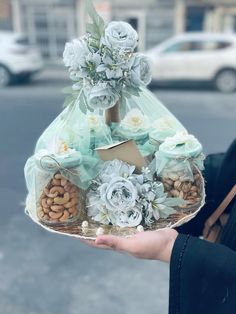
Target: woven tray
(75,229)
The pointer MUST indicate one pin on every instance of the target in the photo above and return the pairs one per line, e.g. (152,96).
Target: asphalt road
(42,273)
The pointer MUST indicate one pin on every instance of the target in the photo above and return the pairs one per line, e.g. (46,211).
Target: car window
(22,41)
(216,44)
(177,47)
(197,45)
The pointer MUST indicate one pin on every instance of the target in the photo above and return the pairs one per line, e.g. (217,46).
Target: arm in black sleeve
(220,176)
(202,277)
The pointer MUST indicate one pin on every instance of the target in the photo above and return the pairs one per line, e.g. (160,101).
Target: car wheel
(225,81)
(5,76)
(26,78)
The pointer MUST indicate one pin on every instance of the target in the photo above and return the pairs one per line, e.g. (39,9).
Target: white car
(196,57)
(18,59)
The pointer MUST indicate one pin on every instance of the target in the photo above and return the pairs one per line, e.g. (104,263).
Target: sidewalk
(54,73)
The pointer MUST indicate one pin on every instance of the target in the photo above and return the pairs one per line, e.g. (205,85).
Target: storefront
(207,15)
(51,23)
(48,23)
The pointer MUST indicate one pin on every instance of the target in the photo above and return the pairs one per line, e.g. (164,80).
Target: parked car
(205,57)
(18,59)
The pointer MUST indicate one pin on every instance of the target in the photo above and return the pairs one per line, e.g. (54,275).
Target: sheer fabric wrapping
(67,148)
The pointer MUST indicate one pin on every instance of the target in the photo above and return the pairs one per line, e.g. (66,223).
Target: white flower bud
(140,228)
(85,224)
(100,231)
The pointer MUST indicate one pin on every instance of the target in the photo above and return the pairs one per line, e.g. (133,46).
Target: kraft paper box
(126,151)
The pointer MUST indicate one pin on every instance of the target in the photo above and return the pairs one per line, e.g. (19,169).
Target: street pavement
(44,273)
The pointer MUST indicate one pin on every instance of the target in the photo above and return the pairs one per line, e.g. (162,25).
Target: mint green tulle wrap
(179,154)
(158,121)
(68,144)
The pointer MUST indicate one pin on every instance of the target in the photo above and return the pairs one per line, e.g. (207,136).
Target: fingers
(155,245)
(110,241)
(116,243)
(92,243)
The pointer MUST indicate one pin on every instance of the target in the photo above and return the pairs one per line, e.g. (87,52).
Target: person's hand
(155,245)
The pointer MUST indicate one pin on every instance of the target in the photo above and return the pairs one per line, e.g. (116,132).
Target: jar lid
(52,162)
(160,136)
(129,134)
(181,145)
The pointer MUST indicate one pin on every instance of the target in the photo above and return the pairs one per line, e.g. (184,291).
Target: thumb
(113,242)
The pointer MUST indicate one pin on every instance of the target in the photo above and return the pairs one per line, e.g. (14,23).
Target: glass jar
(162,128)
(60,201)
(156,138)
(179,183)
(178,168)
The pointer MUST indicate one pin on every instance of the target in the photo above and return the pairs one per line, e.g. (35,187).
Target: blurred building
(153,19)
(206,15)
(50,23)
(5,15)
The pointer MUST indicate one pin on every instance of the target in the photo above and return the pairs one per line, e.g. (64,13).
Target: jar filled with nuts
(178,165)
(60,201)
(189,189)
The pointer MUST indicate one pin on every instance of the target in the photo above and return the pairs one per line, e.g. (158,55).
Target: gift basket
(115,161)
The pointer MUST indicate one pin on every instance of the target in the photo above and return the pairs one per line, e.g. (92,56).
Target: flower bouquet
(115,160)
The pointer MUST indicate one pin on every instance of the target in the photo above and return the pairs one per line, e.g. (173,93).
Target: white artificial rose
(119,194)
(120,35)
(75,53)
(135,120)
(181,140)
(101,96)
(129,218)
(141,74)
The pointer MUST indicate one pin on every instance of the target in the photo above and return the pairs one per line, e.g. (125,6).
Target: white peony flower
(135,120)
(128,200)
(141,71)
(101,96)
(75,53)
(182,141)
(118,195)
(129,218)
(56,147)
(120,35)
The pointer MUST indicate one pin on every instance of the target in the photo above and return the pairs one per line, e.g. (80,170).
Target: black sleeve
(227,174)
(202,277)
(220,176)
